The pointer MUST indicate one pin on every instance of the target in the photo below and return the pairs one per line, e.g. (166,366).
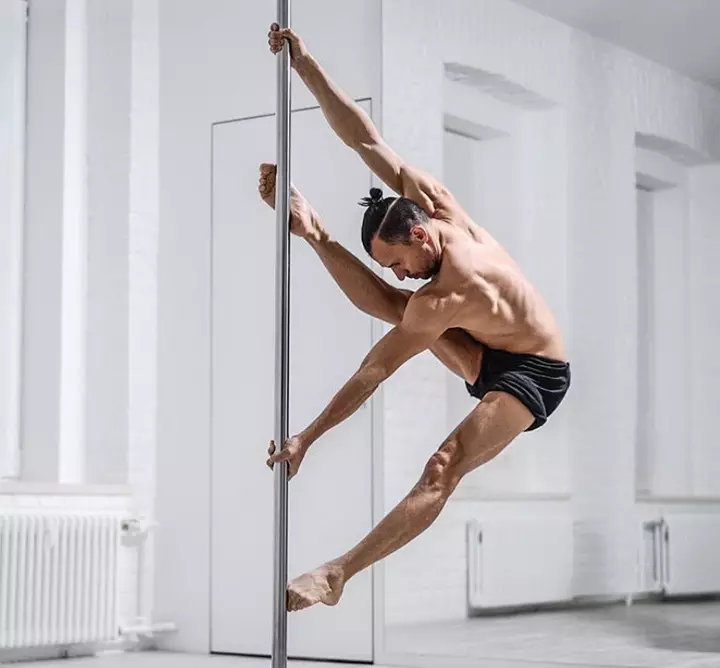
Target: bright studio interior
(449,268)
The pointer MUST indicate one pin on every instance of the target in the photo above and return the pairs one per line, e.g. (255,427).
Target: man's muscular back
(496,305)
(493,300)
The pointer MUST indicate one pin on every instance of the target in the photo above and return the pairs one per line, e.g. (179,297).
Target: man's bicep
(382,161)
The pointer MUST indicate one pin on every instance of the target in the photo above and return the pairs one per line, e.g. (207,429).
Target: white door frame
(376,403)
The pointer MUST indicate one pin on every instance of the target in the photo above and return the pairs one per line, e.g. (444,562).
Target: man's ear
(418,234)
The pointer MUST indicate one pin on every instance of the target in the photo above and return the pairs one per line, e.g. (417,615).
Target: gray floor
(171,660)
(642,636)
(670,635)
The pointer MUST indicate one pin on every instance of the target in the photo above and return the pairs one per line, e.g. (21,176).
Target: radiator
(653,557)
(515,563)
(58,578)
(681,554)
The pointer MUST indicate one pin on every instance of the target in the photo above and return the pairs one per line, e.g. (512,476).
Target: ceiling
(681,34)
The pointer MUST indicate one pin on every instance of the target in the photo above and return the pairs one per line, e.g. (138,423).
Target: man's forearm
(362,286)
(352,395)
(346,118)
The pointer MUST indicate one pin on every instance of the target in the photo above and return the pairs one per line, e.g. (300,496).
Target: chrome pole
(282,343)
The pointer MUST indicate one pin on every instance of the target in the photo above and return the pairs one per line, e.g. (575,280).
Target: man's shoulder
(432,300)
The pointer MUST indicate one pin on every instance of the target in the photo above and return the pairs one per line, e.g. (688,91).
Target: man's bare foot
(303,220)
(323,585)
(266,184)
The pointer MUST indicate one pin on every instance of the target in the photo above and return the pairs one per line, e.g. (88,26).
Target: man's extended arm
(355,128)
(426,319)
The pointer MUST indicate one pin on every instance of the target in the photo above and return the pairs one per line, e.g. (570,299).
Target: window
(12,159)
(663,448)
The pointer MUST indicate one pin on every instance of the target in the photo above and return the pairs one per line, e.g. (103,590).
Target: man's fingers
(277,36)
(271,452)
(276,31)
(282,456)
(270,462)
(285,454)
(267,168)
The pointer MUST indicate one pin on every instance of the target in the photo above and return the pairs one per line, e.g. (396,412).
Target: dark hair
(393,227)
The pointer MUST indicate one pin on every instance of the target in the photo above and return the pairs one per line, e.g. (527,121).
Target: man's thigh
(491,426)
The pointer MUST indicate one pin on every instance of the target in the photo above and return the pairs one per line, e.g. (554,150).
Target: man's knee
(441,472)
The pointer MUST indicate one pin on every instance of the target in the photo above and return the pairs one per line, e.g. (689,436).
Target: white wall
(588,269)
(704,300)
(645,405)
(665,382)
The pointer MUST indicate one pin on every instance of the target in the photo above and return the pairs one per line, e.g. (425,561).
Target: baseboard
(579,603)
(68,651)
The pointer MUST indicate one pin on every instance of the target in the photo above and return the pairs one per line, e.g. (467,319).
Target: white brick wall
(602,261)
(607,95)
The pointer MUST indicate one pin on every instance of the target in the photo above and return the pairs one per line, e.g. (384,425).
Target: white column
(73,320)
(12,198)
(143,269)
(55,244)
(603,306)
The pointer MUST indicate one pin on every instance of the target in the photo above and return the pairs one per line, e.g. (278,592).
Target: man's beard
(432,270)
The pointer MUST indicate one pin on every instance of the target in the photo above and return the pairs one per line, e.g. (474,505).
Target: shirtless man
(477,313)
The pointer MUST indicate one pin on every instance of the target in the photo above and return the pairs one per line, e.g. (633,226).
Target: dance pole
(282,343)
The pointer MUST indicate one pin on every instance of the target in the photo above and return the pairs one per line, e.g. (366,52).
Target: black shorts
(540,383)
